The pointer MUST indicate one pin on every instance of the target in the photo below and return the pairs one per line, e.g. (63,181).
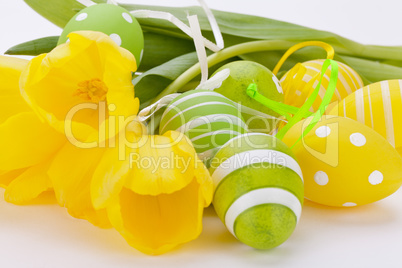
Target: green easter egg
(206,117)
(112,20)
(242,74)
(259,189)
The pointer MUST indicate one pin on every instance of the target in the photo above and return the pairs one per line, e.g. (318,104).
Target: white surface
(368,236)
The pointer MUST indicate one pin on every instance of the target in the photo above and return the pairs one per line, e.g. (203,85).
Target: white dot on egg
(127,17)
(323,131)
(68,40)
(358,139)
(116,38)
(349,204)
(321,178)
(81,17)
(376,177)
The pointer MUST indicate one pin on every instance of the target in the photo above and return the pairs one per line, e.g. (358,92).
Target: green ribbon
(304,111)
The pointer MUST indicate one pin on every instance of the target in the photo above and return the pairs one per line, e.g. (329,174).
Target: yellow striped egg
(298,83)
(378,106)
(344,162)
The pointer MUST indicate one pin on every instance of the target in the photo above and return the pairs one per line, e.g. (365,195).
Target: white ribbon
(113,2)
(169,17)
(149,111)
(199,46)
(86,3)
(214,25)
(215,81)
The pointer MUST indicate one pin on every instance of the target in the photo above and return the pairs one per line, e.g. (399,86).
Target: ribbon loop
(330,52)
(309,103)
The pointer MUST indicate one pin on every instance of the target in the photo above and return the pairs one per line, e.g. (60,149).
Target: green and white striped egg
(259,189)
(208,118)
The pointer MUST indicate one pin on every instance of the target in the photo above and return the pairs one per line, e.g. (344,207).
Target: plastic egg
(206,117)
(242,74)
(259,189)
(378,106)
(297,89)
(345,163)
(112,20)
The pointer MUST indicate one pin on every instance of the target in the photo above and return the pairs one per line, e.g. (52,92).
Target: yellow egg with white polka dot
(344,162)
(298,83)
(378,106)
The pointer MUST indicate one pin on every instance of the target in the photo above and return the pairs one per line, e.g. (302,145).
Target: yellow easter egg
(298,83)
(344,162)
(378,106)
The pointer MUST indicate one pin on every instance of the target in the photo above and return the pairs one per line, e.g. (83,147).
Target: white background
(368,236)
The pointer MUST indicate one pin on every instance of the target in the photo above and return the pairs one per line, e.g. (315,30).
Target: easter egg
(112,20)
(299,86)
(242,74)
(378,106)
(206,117)
(259,189)
(344,162)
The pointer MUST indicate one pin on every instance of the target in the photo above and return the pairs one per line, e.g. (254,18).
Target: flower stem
(230,52)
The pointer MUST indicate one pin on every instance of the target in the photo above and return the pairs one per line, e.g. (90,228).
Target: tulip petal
(203,178)
(71,172)
(29,185)
(6,177)
(11,101)
(26,141)
(10,71)
(159,165)
(108,178)
(157,224)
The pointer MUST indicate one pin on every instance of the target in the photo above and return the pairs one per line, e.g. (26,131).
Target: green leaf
(58,12)
(151,83)
(159,49)
(34,47)
(372,70)
(270,58)
(259,28)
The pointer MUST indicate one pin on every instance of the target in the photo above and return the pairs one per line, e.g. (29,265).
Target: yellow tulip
(70,86)
(26,143)
(155,192)
(82,76)
(82,92)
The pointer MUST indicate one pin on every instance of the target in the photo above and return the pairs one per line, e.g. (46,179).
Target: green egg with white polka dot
(206,117)
(259,189)
(112,20)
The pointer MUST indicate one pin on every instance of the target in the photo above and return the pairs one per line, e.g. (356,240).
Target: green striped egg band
(267,195)
(244,109)
(220,123)
(172,110)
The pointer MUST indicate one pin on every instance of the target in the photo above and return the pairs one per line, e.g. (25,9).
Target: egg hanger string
(281,108)
(304,110)
(330,52)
